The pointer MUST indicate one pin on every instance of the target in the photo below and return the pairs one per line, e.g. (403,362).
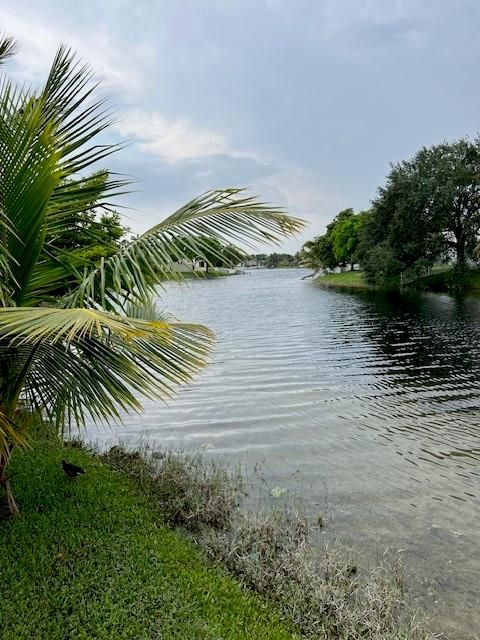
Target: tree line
(273,260)
(427,212)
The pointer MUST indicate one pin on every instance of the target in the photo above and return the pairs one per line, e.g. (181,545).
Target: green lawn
(348,279)
(442,279)
(88,558)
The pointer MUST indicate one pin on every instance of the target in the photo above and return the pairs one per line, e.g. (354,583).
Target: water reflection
(429,349)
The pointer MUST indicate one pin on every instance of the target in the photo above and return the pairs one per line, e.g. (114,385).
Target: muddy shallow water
(366,403)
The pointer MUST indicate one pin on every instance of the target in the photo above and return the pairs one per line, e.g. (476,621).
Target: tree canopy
(338,246)
(428,211)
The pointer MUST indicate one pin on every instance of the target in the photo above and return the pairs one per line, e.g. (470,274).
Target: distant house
(188,266)
(200,265)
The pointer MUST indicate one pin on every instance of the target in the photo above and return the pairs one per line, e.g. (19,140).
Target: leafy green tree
(337,246)
(91,237)
(96,349)
(90,232)
(381,267)
(275,260)
(447,177)
(429,208)
(346,235)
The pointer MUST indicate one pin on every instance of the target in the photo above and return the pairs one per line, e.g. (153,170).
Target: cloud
(303,196)
(39,43)
(175,139)
(369,22)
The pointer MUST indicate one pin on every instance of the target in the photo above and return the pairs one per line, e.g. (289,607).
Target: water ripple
(374,396)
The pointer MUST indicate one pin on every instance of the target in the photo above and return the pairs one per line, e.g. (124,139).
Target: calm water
(368,402)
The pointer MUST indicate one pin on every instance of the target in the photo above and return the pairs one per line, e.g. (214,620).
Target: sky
(305,102)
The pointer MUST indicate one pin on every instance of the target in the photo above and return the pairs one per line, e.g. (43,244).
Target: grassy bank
(88,558)
(347,280)
(446,280)
(442,280)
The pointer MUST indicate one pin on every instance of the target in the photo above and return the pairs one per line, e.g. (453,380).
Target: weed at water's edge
(191,491)
(272,554)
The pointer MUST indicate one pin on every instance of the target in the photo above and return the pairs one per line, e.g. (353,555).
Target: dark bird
(72,470)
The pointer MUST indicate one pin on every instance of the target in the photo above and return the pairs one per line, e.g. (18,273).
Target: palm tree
(310,257)
(93,351)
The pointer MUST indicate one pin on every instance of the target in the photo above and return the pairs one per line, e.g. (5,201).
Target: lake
(366,403)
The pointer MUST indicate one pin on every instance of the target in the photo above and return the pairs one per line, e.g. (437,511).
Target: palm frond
(69,103)
(46,140)
(29,176)
(11,433)
(33,324)
(226,215)
(8,48)
(94,363)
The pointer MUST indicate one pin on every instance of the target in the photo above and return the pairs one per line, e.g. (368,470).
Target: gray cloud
(306,101)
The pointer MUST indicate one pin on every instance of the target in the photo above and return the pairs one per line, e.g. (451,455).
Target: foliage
(191,491)
(339,245)
(428,211)
(87,237)
(318,254)
(273,260)
(94,350)
(276,260)
(325,600)
(380,266)
(346,234)
(91,558)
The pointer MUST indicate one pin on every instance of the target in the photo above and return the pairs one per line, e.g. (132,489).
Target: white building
(188,266)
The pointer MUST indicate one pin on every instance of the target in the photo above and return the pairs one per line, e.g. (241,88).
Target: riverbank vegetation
(427,214)
(441,278)
(345,280)
(141,545)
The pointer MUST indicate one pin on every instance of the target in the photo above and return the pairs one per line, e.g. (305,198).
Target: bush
(380,267)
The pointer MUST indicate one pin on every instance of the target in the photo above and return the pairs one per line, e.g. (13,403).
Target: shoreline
(154,542)
(345,280)
(441,282)
(92,557)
